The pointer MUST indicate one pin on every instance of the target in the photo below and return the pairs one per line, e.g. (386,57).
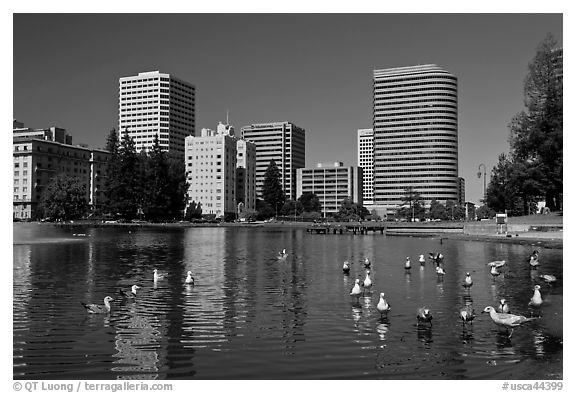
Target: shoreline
(545,239)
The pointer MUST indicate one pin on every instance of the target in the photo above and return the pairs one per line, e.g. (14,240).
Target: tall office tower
(211,170)
(332,183)
(415,134)
(246,174)
(283,142)
(366,162)
(156,104)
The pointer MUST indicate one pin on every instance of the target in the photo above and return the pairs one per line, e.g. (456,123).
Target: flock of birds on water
(500,316)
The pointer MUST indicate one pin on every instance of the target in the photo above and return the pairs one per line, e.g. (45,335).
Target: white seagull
(503,307)
(407,264)
(497,264)
(467,315)
(158,276)
(536,300)
(494,272)
(356,291)
(189,278)
(367,262)
(131,294)
(367,280)
(423,315)
(422,260)
(383,305)
(534,263)
(282,254)
(509,321)
(98,308)
(346,267)
(548,278)
(440,271)
(467,281)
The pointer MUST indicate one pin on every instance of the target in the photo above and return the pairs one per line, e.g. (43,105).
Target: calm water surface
(251,316)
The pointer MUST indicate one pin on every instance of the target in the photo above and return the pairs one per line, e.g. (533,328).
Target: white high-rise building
(156,104)
(246,174)
(366,162)
(213,161)
(415,127)
(283,142)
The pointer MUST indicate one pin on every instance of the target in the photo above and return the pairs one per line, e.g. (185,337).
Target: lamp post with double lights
(479,175)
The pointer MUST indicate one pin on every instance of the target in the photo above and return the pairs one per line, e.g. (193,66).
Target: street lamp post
(479,175)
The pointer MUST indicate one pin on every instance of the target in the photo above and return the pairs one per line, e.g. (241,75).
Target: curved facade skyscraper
(415,134)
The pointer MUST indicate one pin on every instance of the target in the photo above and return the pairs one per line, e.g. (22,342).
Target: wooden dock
(347,228)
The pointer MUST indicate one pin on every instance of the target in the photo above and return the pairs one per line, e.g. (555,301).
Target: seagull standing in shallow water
(189,278)
(367,280)
(98,308)
(356,291)
(467,315)
(509,321)
(423,315)
(440,271)
(131,294)
(346,267)
(467,281)
(422,260)
(158,276)
(282,254)
(367,263)
(407,264)
(383,305)
(494,272)
(503,307)
(536,300)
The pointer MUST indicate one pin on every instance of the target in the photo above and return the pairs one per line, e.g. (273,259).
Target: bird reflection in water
(440,285)
(504,342)
(424,333)
(382,328)
(367,302)
(467,334)
(356,313)
(494,292)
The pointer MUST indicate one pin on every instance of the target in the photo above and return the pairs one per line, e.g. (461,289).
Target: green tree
(413,200)
(485,212)
(64,198)
(156,194)
(177,186)
(112,141)
(272,191)
(504,191)
(264,210)
(310,202)
(124,183)
(291,208)
(536,134)
(350,210)
(437,210)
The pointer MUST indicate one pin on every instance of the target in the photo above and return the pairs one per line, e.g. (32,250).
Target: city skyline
(314,70)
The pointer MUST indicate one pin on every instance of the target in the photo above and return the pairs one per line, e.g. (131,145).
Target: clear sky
(314,70)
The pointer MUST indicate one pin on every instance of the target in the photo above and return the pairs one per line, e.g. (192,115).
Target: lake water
(252,316)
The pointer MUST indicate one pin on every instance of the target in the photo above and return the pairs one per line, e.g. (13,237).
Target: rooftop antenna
(227,116)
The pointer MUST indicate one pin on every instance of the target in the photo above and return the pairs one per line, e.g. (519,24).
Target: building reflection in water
(203,306)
